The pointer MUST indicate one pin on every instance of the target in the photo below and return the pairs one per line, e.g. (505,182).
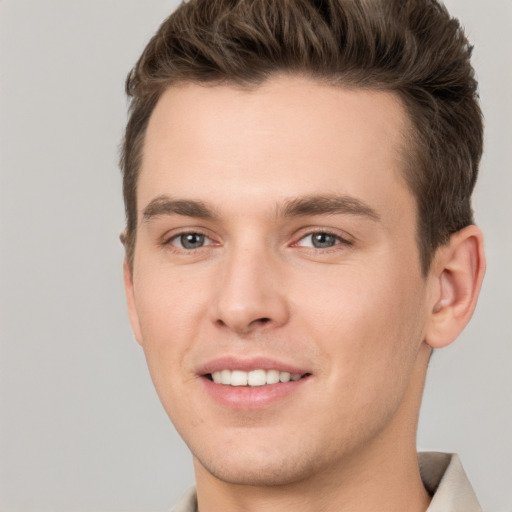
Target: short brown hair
(411,47)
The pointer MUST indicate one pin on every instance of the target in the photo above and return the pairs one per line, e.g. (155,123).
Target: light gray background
(81,428)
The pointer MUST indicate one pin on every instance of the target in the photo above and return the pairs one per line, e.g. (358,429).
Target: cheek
(368,324)
(171,310)
(354,299)
(169,304)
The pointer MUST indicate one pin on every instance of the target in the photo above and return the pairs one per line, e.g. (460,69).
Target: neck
(380,477)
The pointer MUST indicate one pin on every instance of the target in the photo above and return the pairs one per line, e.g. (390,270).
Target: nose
(250,293)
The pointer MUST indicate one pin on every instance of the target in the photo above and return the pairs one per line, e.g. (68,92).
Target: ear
(456,274)
(130,301)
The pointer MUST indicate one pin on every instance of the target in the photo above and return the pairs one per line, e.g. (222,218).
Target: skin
(358,315)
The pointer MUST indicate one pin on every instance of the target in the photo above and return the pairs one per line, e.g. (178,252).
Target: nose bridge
(249,294)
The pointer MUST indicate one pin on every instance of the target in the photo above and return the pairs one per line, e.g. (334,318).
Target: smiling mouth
(253,378)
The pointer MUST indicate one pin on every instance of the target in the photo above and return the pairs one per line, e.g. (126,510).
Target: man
(297,182)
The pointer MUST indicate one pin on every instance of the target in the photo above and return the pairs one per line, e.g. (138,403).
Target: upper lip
(248,364)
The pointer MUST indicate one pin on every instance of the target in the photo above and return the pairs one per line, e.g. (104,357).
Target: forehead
(290,136)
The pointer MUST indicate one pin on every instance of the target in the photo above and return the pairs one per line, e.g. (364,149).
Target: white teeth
(252,378)
(257,378)
(284,376)
(272,376)
(238,378)
(225,376)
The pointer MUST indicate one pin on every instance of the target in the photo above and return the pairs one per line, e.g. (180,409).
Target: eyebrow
(328,205)
(165,205)
(297,207)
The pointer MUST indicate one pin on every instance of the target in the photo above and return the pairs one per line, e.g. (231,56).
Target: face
(276,286)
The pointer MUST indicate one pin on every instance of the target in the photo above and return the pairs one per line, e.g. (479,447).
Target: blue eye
(323,240)
(319,240)
(190,241)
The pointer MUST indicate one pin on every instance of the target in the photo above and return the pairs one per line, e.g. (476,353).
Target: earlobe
(457,273)
(130,302)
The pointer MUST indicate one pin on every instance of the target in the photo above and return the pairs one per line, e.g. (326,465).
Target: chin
(258,475)
(276,467)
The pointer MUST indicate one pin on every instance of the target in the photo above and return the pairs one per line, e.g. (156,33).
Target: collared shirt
(442,475)
(447,483)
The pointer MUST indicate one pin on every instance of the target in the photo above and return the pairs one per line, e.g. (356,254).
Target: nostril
(243,325)
(259,322)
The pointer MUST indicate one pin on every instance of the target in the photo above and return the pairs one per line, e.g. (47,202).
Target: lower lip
(252,397)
